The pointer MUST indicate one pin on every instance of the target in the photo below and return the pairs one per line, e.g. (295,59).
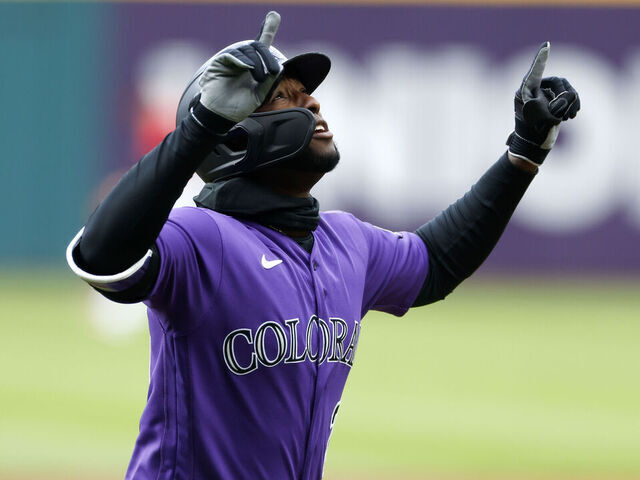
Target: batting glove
(237,79)
(540,105)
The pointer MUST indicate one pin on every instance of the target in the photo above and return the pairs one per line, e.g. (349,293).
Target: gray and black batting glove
(238,79)
(540,105)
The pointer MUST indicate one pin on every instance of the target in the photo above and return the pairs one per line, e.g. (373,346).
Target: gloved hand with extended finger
(236,80)
(540,105)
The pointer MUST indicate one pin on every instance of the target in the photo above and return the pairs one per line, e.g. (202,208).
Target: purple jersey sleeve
(190,249)
(397,266)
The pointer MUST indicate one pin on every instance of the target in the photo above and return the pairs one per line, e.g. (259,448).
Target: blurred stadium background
(527,371)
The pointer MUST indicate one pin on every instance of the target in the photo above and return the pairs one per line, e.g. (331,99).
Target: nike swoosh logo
(268,264)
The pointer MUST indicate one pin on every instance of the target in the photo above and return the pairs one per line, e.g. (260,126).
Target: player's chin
(318,157)
(323,156)
(322,146)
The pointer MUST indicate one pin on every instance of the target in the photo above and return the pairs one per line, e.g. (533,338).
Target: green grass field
(508,378)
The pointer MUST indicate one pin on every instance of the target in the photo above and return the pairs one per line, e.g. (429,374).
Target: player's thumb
(269,28)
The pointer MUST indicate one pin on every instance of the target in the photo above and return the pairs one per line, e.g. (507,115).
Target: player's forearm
(126,224)
(463,235)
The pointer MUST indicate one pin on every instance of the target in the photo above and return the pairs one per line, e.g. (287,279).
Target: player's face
(322,154)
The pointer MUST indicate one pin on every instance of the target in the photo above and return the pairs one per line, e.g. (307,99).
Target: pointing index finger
(269,28)
(533,78)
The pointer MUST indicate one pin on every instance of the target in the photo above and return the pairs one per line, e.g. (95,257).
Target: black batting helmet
(265,138)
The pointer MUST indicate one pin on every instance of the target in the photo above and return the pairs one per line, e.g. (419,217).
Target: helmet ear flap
(260,140)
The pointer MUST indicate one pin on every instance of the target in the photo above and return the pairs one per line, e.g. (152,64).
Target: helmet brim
(309,68)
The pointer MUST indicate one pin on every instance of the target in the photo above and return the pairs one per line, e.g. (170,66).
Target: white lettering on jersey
(274,343)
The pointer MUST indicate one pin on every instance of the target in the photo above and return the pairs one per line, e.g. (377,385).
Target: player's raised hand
(237,79)
(540,105)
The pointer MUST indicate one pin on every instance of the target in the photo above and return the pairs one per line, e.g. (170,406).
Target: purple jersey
(252,339)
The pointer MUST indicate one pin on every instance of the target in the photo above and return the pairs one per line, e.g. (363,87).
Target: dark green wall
(53,94)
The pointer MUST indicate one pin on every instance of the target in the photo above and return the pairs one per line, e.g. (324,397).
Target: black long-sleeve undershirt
(461,237)
(128,221)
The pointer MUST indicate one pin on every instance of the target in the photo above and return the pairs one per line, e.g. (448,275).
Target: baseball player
(254,297)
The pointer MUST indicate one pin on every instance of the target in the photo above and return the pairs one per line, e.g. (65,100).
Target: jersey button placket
(317,289)
(318,426)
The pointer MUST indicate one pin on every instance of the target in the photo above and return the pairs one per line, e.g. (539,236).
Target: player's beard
(310,160)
